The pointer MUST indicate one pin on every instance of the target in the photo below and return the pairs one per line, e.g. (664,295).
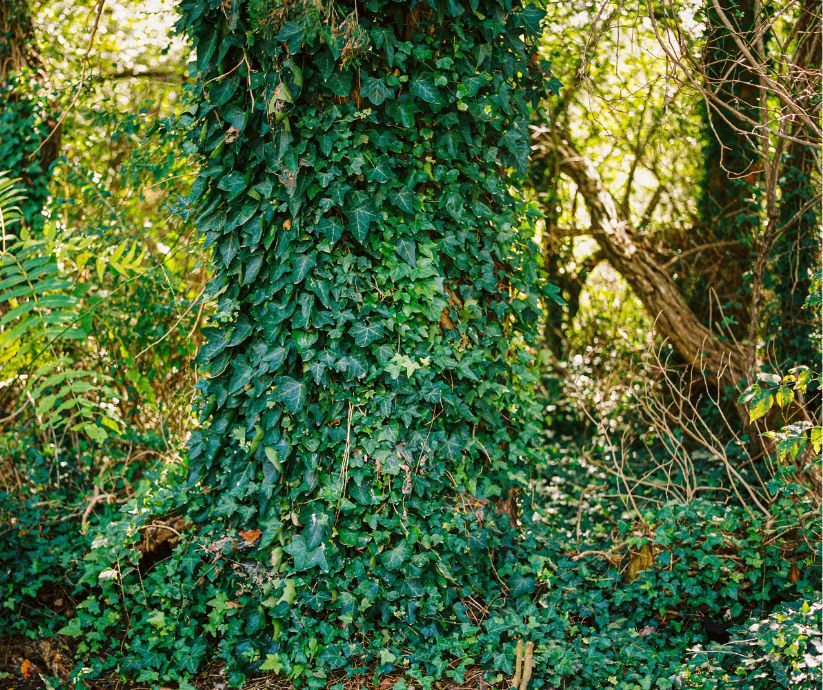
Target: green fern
(40,313)
(10,213)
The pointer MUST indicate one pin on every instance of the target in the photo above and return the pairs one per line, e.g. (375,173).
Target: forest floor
(624,598)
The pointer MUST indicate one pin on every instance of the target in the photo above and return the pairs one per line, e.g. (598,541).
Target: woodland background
(669,509)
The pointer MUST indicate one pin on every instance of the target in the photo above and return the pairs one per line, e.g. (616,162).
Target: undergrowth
(700,595)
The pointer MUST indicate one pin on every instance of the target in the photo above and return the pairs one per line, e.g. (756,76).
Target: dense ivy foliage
(23,127)
(364,424)
(368,394)
(26,149)
(368,500)
(610,600)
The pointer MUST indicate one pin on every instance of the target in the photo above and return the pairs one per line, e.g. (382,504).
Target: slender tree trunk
(553,325)
(797,248)
(730,202)
(28,129)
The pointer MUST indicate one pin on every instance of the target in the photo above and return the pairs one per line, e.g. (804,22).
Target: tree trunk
(730,200)
(674,319)
(797,247)
(28,128)
(367,391)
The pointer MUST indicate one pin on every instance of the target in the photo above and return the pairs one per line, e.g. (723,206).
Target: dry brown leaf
(251,535)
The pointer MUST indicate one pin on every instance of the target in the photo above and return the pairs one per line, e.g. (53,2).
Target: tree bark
(730,200)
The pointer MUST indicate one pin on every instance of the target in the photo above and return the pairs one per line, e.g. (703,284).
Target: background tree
(742,96)
(26,116)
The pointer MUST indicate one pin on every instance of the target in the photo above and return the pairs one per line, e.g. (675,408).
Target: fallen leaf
(251,535)
(26,668)
(794,574)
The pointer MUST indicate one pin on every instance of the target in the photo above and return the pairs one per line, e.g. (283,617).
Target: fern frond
(11,194)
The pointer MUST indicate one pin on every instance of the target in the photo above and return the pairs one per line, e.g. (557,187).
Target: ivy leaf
(272,663)
(221,92)
(339,83)
(301,266)
(317,369)
(315,530)
(424,89)
(404,199)
(520,585)
(530,18)
(352,367)
(381,172)
(330,229)
(243,374)
(365,334)
(361,216)
(289,592)
(375,90)
(291,34)
(252,268)
(407,250)
(228,249)
(72,629)
(236,117)
(290,392)
(394,558)
(275,357)
(453,203)
(273,457)
(326,177)
(448,143)
(404,115)
(553,293)
(452,448)
(306,558)
(233,183)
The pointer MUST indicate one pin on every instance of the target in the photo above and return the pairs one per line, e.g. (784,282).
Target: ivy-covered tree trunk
(797,248)
(368,366)
(29,143)
(730,203)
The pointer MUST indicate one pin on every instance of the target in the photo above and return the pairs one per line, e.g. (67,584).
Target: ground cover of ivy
(592,625)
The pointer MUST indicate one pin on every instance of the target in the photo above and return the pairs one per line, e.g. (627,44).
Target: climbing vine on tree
(26,148)
(366,402)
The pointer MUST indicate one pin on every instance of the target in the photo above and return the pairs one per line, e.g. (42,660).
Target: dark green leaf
(290,392)
(424,89)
